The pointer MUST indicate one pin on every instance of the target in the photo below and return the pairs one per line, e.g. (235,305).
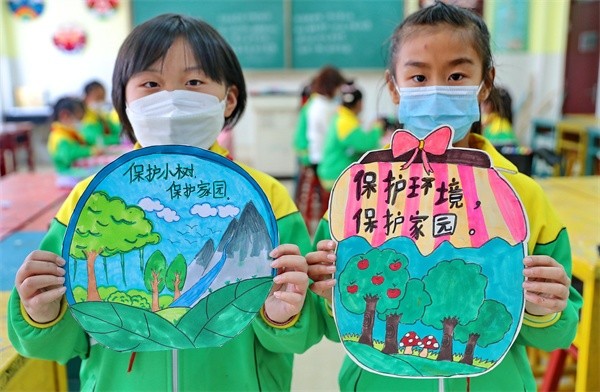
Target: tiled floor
(318,368)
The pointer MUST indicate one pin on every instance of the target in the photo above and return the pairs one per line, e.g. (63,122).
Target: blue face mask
(423,109)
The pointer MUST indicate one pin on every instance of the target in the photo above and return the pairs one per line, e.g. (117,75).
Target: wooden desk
(576,141)
(13,136)
(22,374)
(577,203)
(28,201)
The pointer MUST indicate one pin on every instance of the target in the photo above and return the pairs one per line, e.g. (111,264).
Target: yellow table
(577,203)
(18,373)
(576,137)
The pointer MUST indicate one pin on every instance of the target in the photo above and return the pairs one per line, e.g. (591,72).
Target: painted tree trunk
(366,337)
(92,289)
(470,348)
(176,292)
(123,268)
(155,307)
(446,349)
(391,334)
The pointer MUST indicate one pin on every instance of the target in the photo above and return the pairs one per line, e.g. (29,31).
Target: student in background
(66,144)
(457,57)
(100,125)
(497,118)
(346,139)
(312,125)
(175,61)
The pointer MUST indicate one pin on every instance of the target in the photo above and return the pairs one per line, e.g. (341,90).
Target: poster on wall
(419,294)
(511,25)
(70,38)
(167,248)
(26,9)
(102,8)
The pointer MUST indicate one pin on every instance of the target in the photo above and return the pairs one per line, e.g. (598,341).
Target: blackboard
(254,28)
(280,34)
(348,33)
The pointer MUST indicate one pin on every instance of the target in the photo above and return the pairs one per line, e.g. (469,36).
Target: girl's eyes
(419,78)
(150,84)
(455,77)
(195,82)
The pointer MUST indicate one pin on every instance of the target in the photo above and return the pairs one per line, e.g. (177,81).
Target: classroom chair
(556,368)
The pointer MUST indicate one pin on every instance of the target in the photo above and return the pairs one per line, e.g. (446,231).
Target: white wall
(246,134)
(39,67)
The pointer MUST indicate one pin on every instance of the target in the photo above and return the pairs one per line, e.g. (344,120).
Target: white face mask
(177,117)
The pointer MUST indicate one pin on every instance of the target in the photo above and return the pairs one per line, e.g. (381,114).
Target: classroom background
(546,55)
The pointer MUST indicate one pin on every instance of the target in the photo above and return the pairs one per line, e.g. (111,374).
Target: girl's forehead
(180,53)
(437,42)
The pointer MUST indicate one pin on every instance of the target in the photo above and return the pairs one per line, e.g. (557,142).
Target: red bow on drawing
(435,143)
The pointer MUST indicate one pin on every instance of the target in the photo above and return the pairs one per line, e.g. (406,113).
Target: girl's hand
(321,266)
(40,284)
(546,285)
(291,283)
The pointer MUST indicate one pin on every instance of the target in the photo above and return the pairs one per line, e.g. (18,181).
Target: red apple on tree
(363,264)
(352,288)
(393,293)
(377,280)
(395,266)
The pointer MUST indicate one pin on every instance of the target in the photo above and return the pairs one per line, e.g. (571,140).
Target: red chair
(555,368)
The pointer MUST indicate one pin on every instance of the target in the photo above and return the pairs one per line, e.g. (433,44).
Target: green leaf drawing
(224,313)
(126,328)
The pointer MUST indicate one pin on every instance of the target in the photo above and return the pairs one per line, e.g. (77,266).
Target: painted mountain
(248,247)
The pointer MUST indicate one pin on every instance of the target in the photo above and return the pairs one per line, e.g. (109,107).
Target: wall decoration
(431,240)
(511,26)
(168,249)
(26,9)
(70,38)
(102,8)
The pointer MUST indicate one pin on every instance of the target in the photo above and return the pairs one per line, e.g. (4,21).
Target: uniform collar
(216,148)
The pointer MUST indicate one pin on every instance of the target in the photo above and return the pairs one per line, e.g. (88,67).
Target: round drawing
(168,249)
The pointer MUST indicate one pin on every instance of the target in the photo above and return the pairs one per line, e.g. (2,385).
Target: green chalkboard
(277,34)
(254,28)
(344,33)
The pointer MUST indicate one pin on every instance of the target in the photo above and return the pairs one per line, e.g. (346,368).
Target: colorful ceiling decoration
(102,8)
(26,9)
(70,38)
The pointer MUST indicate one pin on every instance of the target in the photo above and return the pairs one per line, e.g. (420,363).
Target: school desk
(15,136)
(28,201)
(578,142)
(577,203)
(23,374)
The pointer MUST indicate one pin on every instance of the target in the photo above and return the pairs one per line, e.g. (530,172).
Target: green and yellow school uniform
(547,237)
(66,145)
(260,358)
(100,128)
(301,137)
(345,143)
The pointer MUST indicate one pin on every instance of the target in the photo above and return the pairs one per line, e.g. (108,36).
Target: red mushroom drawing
(428,343)
(410,340)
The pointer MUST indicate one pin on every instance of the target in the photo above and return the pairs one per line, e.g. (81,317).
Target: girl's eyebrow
(416,64)
(461,61)
(196,67)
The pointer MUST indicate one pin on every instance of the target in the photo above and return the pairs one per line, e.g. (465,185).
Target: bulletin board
(299,34)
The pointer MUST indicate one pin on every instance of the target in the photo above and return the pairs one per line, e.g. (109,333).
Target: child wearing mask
(99,125)
(346,139)
(440,70)
(313,121)
(175,81)
(66,144)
